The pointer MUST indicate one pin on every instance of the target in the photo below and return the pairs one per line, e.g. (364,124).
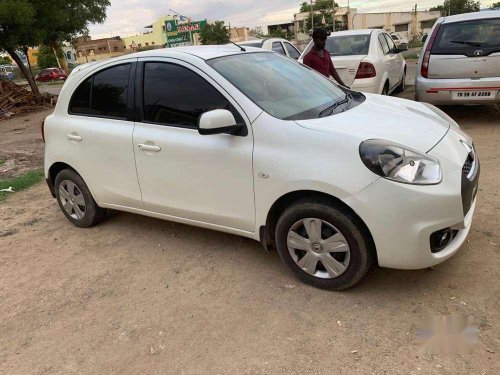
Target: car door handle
(150,148)
(74,137)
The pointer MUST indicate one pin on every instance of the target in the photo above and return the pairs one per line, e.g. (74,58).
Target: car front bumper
(440,91)
(402,217)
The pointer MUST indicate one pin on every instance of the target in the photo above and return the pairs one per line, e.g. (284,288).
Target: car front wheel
(324,245)
(76,201)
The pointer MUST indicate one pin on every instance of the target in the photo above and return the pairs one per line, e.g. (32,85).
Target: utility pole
(312,16)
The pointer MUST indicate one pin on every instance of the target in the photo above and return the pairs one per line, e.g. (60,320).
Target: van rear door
(467,49)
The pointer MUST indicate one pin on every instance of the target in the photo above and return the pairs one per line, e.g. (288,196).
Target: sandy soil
(139,295)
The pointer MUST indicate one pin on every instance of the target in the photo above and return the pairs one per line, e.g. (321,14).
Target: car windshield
(280,86)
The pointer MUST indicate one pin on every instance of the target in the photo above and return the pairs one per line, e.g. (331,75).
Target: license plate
(474,95)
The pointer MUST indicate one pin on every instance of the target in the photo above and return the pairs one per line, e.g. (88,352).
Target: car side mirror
(218,121)
(424,38)
(403,47)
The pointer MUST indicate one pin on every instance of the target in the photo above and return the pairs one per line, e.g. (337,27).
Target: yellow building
(33,56)
(155,36)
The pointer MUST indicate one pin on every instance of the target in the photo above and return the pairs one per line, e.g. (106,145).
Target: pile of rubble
(16,99)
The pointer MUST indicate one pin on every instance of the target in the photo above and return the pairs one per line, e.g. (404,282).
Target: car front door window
(177,96)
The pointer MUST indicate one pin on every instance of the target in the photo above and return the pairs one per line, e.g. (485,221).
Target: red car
(51,74)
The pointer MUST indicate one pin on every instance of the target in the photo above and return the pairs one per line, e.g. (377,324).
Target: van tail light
(366,70)
(427,54)
(42,129)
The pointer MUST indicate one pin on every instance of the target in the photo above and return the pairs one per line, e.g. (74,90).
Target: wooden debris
(15,99)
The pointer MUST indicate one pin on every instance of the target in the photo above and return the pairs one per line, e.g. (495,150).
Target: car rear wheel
(385,90)
(323,245)
(76,201)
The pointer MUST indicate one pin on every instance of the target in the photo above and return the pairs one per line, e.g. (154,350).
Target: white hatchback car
(255,144)
(366,60)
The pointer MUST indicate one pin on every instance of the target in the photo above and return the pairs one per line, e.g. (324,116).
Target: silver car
(460,63)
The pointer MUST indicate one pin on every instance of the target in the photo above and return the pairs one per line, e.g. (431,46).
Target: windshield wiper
(332,108)
(473,44)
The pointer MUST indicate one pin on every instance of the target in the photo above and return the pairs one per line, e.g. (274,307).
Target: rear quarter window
(465,38)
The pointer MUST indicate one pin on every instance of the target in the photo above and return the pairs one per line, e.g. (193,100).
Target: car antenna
(237,45)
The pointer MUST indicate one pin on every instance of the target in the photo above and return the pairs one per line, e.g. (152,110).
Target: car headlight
(399,163)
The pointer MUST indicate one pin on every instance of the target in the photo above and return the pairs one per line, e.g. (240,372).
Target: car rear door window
(80,101)
(383,43)
(469,38)
(109,92)
(278,48)
(292,51)
(177,96)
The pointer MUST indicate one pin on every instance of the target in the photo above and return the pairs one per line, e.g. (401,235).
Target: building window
(147,44)
(115,48)
(139,45)
(427,24)
(401,28)
(152,43)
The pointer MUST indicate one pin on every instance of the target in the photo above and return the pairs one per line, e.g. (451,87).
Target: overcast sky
(128,17)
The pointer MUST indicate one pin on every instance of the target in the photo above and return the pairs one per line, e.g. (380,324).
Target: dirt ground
(140,295)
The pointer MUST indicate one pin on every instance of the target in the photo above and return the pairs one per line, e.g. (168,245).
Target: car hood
(402,121)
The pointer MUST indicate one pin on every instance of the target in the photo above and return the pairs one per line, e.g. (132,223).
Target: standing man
(318,58)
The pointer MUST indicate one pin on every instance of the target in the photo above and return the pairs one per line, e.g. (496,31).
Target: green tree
(215,33)
(47,58)
(280,33)
(26,23)
(256,32)
(4,60)
(451,7)
(324,17)
(317,5)
(495,5)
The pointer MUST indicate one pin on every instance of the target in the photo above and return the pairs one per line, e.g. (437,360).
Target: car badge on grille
(478,52)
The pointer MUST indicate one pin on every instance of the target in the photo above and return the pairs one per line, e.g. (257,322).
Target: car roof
(203,52)
(353,32)
(472,16)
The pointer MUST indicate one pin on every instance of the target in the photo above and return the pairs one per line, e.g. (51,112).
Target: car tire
(385,90)
(402,85)
(308,256)
(76,201)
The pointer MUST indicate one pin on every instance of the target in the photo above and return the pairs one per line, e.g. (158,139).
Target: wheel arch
(53,171)
(266,232)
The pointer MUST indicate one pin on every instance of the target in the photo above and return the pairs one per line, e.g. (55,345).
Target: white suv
(255,144)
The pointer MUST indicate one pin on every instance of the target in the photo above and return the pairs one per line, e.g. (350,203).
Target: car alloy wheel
(318,248)
(72,200)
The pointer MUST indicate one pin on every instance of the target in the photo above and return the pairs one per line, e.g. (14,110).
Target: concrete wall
(238,34)
(389,22)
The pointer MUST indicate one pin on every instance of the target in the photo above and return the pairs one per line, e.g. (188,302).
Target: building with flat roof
(406,24)
(88,49)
